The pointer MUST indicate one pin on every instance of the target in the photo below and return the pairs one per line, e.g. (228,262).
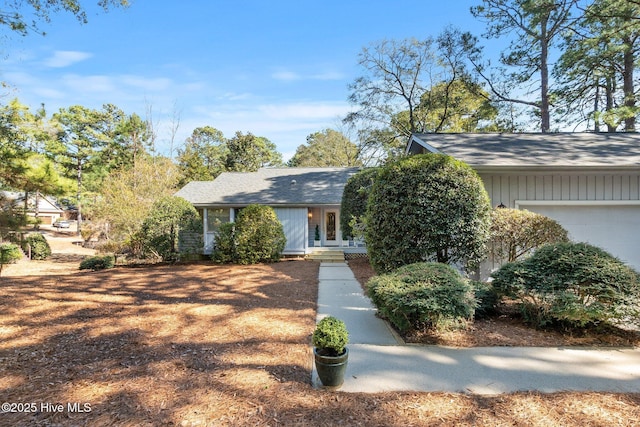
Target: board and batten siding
(508,188)
(296,229)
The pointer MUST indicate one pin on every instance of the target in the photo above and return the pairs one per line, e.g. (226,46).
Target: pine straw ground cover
(204,344)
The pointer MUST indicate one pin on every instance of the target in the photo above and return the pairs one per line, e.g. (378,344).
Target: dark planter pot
(331,369)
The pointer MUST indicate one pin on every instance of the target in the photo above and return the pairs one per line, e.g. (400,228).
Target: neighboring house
(48,212)
(589,183)
(301,197)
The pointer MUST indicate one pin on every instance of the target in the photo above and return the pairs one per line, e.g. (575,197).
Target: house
(588,182)
(48,211)
(303,198)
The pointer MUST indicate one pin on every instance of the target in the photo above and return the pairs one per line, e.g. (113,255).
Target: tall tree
(328,148)
(127,195)
(14,117)
(596,69)
(453,107)
(392,95)
(248,153)
(203,156)
(80,140)
(24,16)
(535,26)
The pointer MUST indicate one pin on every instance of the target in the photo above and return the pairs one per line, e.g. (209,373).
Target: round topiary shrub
(574,284)
(516,233)
(256,236)
(39,246)
(427,208)
(354,200)
(330,337)
(422,296)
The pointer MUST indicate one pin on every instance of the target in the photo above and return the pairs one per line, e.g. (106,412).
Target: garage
(612,226)
(588,182)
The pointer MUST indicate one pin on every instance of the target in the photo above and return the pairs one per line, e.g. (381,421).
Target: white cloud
(286,76)
(65,58)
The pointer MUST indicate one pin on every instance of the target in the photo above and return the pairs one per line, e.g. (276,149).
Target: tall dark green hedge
(427,207)
(256,236)
(354,198)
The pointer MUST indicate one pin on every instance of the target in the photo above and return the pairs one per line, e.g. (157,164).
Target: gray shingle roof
(537,149)
(271,186)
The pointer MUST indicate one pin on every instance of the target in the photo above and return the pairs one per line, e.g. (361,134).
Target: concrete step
(326,256)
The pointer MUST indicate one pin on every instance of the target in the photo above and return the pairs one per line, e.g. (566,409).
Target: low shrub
(487,298)
(39,246)
(572,284)
(422,296)
(9,253)
(330,336)
(98,263)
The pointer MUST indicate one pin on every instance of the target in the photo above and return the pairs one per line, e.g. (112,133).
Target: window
(215,217)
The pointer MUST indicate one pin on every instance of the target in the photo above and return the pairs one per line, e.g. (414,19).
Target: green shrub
(516,233)
(9,253)
(40,248)
(225,244)
(422,296)
(256,236)
(427,208)
(486,297)
(574,284)
(97,263)
(330,336)
(354,200)
(160,232)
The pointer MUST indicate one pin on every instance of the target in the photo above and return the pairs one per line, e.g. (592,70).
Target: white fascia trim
(421,143)
(520,203)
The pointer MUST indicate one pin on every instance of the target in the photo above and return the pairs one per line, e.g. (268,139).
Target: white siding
(296,229)
(507,188)
(600,208)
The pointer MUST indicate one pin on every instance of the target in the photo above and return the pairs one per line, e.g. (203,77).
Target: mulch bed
(506,328)
(210,345)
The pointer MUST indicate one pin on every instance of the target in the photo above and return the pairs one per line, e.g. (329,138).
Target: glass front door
(331,227)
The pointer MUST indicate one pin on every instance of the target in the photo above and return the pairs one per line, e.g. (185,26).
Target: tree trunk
(544,77)
(78,203)
(629,95)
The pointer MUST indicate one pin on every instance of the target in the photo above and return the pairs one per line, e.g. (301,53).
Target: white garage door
(613,227)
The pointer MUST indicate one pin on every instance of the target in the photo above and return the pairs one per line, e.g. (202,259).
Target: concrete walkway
(379,361)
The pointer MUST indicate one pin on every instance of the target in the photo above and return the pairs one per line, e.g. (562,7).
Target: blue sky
(278,69)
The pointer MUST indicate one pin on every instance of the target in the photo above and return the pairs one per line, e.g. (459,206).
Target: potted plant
(330,352)
(316,241)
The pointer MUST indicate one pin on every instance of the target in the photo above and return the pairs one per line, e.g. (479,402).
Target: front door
(331,227)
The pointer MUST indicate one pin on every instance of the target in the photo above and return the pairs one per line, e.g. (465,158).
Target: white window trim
(577,203)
